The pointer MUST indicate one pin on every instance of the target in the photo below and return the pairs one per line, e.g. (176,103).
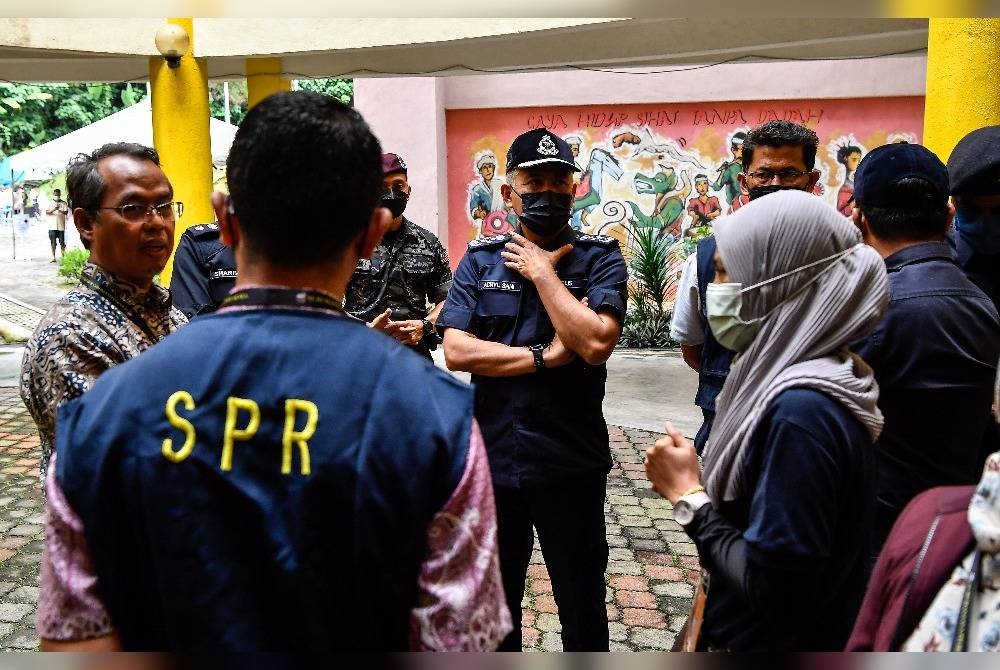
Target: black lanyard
(122,306)
(283,297)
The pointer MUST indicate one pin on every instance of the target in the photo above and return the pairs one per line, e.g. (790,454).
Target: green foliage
(341,89)
(237,100)
(32,114)
(71,264)
(648,262)
(647,329)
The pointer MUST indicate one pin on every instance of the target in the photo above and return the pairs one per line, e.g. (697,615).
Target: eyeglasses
(134,213)
(786,176)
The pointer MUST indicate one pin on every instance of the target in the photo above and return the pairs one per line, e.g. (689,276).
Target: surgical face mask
(723,303)
(760,191)
(545,213)
(395,201)
(980,229)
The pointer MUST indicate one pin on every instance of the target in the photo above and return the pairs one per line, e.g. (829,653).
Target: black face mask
(395,201)
(545,213)
(761,191)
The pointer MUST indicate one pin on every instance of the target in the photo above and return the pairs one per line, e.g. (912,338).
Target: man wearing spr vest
(310,485)
(534,316)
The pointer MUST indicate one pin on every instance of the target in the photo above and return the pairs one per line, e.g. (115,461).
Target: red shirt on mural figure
(703,208)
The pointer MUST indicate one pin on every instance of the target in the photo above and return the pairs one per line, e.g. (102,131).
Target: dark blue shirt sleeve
(460,306)
(608,284)
(189,287)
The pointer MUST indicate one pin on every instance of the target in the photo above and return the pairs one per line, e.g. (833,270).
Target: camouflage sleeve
(441,277)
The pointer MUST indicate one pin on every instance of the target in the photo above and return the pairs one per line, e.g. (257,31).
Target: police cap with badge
(538,147)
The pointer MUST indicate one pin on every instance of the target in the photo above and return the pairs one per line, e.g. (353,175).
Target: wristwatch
(689,503)
(428,327)
(536,352)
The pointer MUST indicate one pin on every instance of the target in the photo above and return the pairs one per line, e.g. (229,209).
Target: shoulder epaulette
(600,240)
(486,242)
(203,230)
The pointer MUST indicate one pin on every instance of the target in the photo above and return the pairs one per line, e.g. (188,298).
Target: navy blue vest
(715,358)
(296,515)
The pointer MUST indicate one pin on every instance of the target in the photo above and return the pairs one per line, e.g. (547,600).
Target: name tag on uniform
(573,283)
(493,285)
(219,274)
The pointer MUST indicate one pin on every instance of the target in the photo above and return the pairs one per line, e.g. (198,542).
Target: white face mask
(723,303)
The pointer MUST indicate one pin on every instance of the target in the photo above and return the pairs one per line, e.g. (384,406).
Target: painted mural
(668,167)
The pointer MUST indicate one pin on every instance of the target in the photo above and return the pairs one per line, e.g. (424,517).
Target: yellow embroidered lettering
(181,424)
(232,434)
(291,436)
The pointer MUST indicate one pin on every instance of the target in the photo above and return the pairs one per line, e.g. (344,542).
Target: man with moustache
(533,316)
(777,155)
(123,208)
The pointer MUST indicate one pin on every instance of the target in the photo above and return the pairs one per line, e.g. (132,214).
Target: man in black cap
(935,351)
(533,316)
(408,270)
(974,167)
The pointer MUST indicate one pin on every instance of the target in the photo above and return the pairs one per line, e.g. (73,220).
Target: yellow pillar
(963,88)
(264,78)
(181,134)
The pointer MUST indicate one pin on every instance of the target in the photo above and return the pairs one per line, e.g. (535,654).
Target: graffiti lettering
(549,121)
(728,117)
(658,119)
(797,115)
(601,120)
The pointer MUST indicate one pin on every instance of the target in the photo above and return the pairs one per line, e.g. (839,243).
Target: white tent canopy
(133,124)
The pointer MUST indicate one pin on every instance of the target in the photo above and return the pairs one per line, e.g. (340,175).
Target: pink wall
(646,156)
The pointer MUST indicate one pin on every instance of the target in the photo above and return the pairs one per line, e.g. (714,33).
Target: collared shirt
(101,322)
(548,424)
(407,269)
(934,354)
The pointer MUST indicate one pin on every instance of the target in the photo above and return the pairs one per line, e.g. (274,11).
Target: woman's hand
(672,465)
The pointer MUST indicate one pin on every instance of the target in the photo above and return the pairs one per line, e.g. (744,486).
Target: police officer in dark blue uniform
(204,271)
(534,316)
(280,492)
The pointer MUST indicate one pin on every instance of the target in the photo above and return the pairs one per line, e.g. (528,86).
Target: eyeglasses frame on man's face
(786,176)
(167,211)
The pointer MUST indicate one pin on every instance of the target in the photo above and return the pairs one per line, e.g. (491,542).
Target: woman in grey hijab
(783,519)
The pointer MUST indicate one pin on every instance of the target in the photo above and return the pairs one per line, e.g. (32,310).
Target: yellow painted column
(181,134)
(264,78)
(963,87)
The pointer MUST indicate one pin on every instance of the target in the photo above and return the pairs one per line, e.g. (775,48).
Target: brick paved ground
(21,522)
(651,568)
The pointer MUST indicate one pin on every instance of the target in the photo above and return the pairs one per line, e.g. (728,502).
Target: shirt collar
(918,253)
(156,296)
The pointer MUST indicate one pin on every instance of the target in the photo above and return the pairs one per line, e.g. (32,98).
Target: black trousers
(569,518)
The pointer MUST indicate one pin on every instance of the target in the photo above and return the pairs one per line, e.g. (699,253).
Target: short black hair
(84,184)
(921,215)
(780,133)
(304,175)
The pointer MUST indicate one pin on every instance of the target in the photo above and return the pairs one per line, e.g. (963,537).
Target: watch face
(683,512)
